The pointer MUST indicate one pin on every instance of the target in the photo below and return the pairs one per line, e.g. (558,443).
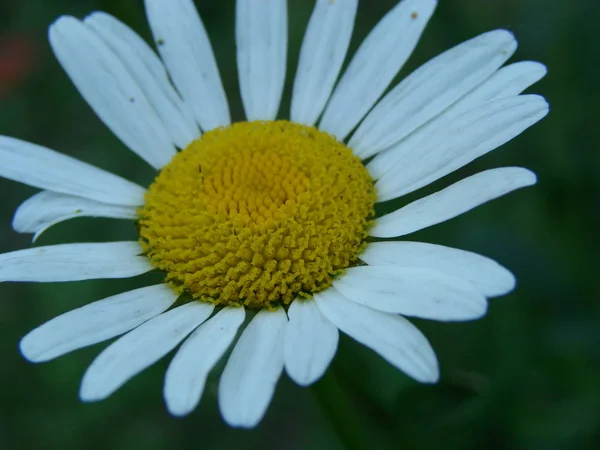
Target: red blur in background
(17,58)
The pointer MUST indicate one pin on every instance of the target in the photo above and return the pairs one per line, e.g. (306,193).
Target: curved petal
(310,342)
(323,51)
(430,89)
(47,208)
(147,70)
(379,58)
(391,336)
(111,91)
(96,322)
(187,373)
(43,168)
(452,201)
(460,141)
(261,37)
(253,369)
(74,262)
(509,81)
(185,48)
(422,293)
(489,277)
(139,349)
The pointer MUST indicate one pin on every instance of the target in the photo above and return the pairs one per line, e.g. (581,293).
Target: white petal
(74,262)
(112,92)
(310,342)
(187,373)
(261,38)
(323,51)
(139,349)
(47,208)
(96,322)
(379,58)
(253,369)
(430,89)
(489,277)
(508,81)
(452,201)
(43,168)
(147,70)
(185,48)
(460,141)
(389,335)
(422,293)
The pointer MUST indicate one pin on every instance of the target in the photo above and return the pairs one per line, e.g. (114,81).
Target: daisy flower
(265,230)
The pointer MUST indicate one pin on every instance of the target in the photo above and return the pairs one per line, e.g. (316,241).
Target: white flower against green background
(270,217)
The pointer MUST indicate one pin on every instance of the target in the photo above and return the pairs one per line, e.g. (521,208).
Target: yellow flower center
(257,213)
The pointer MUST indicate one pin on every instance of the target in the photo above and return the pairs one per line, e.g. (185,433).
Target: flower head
(257,213)
(270,222)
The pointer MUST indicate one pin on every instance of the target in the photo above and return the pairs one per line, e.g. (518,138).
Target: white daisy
(270,217)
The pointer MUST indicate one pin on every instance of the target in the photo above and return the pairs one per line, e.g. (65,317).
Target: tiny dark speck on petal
(160,41)
(414,15)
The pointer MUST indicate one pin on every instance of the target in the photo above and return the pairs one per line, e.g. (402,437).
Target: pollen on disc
(257,213)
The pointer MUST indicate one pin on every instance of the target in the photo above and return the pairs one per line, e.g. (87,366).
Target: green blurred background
(527,376)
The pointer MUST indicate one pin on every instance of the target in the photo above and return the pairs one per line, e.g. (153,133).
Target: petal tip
(428,375)
(504,34)
(433,375)
(507,284)
(505,39)
(61,28)
(546,107)
(434,378)
(28,350)
(94,17)
(240,421)
(303,379)
(177,405)
(91,390)
(481,311)
(62,21)
(540,68)
(529,177)
(89,393)
(177,411)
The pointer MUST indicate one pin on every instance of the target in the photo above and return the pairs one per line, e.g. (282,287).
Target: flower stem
(341,414)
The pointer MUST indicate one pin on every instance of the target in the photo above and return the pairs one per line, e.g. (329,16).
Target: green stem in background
(342,415)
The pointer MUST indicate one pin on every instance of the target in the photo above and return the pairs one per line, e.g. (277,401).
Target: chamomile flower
(270,223)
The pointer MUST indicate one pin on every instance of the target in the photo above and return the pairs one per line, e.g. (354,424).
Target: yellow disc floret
(257,213)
